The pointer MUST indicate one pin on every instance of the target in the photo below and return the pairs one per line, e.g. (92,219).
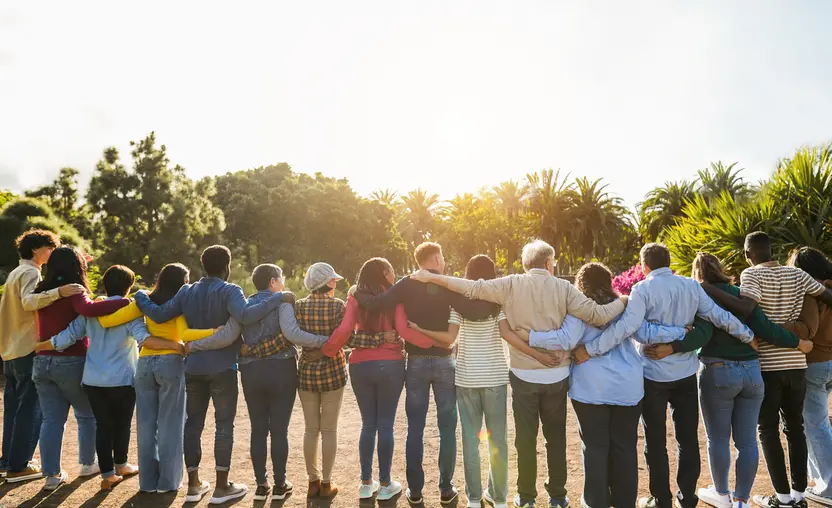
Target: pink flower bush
(624,282)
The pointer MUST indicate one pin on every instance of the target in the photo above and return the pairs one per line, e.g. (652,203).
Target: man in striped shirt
(779,290)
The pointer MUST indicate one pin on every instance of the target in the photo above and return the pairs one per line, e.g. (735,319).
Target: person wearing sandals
(376,373)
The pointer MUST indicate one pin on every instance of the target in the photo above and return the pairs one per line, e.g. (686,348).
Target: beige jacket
(540,301)
(18,332)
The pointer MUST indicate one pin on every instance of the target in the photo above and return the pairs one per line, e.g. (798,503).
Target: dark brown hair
(118,280)
(169,282)
(34,239)
(595,281)
(372,278)
(66,265)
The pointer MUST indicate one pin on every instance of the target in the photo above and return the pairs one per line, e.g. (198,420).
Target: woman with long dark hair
(376,374)
(818,382)
(58,375)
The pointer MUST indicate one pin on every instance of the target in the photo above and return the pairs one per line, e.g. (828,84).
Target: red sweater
(384,352)
(54,319)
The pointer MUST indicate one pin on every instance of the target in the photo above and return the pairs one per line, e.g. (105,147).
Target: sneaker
(801,504)
(280,493)
(648,502)
(448,496)
(127,470)
(262,493)
(413,498)
(53,482)
(390,491)
(523,503)
(488,498)
(328,490)
(813,495)
(89,470)
(30,472)
(111,481)
(771,502)
(559,503)
(711,497)
(195,494)
(367,491)
(232,492)
(3,471)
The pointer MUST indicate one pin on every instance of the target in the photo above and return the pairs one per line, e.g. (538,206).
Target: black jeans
(113,410)
(21,414)
(536,404)
(270,387)
(200,389)
(785,392)
(683,397)
(609,436)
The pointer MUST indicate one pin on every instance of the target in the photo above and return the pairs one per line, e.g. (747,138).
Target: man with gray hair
(536,300)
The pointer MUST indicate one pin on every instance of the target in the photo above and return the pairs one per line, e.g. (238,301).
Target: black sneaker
(772,502)
(448,496)
(413,498)
(262,493)
(801,504)
(280,493)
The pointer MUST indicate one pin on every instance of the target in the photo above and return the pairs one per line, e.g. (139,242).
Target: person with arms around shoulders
(536,300)
(18,336)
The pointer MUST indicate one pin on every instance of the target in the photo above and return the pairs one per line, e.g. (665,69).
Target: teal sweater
(715,343)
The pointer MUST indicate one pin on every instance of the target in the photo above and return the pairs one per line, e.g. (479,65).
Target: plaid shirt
(266,347)
(321,314)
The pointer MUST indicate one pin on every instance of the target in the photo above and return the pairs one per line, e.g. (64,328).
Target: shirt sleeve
(474,310)
(291,329)
(455,318)
(76,330)
(811,286)
(186,334)
(656,333)
(409,334)
(138,329)
(696,338)
(565,338)
(770,332)
(121,316)
(224,337)
(750,285)
(493,290)
(161,313)
(86,307)
(30,300)
(344,331)
(249,313)
(385,301)
(623,327)
(721,318)
(590,312)
(806,325)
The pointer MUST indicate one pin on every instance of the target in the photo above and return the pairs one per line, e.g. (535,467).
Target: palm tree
(662,206)
(386,197)
(511,202)
(550,203)
(718,179)
(419,212)
(598,219)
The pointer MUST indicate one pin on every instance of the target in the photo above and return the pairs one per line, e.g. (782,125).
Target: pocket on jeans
(721,376)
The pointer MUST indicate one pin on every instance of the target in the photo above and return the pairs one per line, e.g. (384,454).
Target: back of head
(65,266)
(480,267)
(263,274)
(34,239)
(595,281)
(426,252)
(813,262)
(372,278)
(118,280)
(216,261)
(707,268)
(758,247)
(170,281)
(655,256)
(536,254)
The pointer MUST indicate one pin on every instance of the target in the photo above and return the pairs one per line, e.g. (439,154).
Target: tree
(385,197)
(550,203)
(418,221)
(718,179)
(512,200)
(662,206)
(61,194)
(153,214)
(599,219)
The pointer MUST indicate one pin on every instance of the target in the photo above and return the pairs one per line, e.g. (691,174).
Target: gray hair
(536,253)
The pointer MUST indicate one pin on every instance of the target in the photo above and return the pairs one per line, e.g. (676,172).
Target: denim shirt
(209,303)
(670,300)
(282,320)
(112,353)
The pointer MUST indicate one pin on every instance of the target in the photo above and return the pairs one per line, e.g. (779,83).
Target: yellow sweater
(175,330)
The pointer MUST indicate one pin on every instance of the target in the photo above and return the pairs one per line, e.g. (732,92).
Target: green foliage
(662,206)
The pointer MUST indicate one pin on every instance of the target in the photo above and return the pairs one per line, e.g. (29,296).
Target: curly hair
(595,281)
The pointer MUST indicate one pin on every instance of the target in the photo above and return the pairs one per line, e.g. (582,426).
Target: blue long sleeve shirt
(112,353)
(670,300)
(208,303)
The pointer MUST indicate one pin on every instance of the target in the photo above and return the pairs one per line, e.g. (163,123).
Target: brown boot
(314,489)
(329,490)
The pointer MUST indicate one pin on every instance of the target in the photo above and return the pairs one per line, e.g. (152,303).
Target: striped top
(481,354)
(780,291)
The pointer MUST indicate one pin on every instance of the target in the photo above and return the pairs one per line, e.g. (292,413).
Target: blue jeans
(270,388)
(160,418)
(474,404)
(423,373)
(818,430)
(58,380)
(21,414)
(222,389)
(731,393)
(377,386)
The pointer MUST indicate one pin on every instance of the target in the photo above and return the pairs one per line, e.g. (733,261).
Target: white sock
(784,498)
(797,496)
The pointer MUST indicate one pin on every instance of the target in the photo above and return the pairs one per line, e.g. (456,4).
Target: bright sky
(397,94)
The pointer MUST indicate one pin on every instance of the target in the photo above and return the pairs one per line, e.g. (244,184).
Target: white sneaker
(812,495)
(711,497)
(204,488)
(235,491)
(386,492)
(89,470)
(368,491)
(53,482)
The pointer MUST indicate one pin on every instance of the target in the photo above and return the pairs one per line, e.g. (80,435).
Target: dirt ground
(81,493)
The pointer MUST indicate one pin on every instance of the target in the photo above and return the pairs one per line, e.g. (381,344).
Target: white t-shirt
(481,354)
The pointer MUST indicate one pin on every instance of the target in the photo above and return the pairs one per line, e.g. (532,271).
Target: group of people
(748,355)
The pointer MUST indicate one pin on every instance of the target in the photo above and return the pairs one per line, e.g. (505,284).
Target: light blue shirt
(113,352)
(670,300)
(614,378)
